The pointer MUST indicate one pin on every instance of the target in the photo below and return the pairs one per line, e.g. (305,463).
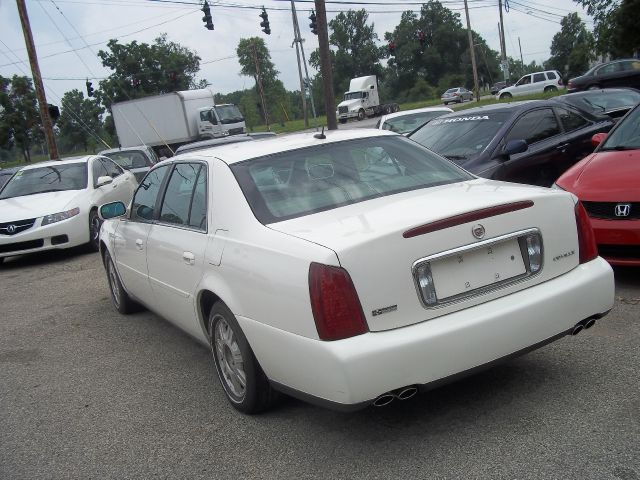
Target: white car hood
(350,103)
(38,205)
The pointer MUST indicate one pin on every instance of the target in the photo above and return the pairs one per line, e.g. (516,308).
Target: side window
(524,80)
(570,121)
(112,169)
(176,205)
(534,126)
(198,214)
(144,201)
(551,75)
(611,68)
(98,170)
(538,77)
(204,116)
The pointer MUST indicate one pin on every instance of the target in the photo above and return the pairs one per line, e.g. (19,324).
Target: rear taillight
(587,246)
(334,303)
(560,82)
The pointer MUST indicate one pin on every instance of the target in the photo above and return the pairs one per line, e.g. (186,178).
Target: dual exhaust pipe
(583,325)
(403,393)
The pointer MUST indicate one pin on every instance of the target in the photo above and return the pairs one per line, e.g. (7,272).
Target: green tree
(253,52)
(80,121)
(356,53)
(615,25)
(571,47)
(20,122)
(140,69)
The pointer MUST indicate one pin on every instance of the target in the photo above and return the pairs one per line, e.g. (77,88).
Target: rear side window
(570,120)
(538,77)
(112,169)
(144,201)
(535,126)
(301,182)
(551,76)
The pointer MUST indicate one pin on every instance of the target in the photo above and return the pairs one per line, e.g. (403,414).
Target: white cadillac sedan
(54,205)
(352,268)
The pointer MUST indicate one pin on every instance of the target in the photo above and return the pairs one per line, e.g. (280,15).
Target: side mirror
(514,146)
(112,210)
(597,139)
(102,181)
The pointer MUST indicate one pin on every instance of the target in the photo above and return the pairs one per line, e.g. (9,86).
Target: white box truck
(174,119)
(362,100)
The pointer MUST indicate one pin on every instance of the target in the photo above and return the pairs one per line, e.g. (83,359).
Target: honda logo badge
(477,231)
(623,209)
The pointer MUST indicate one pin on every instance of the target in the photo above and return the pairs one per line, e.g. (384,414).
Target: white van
(533,83)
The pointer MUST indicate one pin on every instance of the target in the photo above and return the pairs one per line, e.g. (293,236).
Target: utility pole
(37,81)
(296,40)
(325,65)
(259,84)
(521,59)
(304,64)
(503,48)
(473,53)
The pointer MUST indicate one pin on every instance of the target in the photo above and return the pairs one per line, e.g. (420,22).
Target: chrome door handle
(189,258)
(139,244)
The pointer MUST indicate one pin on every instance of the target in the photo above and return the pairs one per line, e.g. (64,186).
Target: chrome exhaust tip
(406,393)
(577,329)
(383,400)
(590,322)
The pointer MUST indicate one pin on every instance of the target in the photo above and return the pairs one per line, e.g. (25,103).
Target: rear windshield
(53,178)
(462,137)
(301,182)
(451,90)
(408,123)
(606,100)
(129,159)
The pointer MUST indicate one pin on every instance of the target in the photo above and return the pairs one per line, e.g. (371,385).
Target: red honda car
(608,184)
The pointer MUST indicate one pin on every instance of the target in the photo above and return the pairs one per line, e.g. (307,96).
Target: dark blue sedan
(530,142)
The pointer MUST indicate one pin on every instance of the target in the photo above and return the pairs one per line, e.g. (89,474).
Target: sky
(60,26)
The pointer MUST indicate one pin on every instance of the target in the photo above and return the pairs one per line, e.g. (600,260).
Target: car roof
(417,110)
(212,142)
(240,151)
(139,148)
(66,161)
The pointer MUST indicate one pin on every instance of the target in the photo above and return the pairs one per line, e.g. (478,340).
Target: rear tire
(550,88)
(120,298)
(245,384)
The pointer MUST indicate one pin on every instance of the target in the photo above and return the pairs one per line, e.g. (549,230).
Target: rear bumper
(351,373)
(618,240)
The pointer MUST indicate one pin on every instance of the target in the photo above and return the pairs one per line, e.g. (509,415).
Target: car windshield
(129,159)
(229,114)
(301,182)
(462,137)
(408,123)
(626,136)
(52,178)
(353,95)
(606,101)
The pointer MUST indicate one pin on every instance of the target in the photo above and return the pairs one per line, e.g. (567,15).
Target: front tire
(361,115)
(343,120)
(94,230)
(506,96)
(593,87)
(245,384)
(120,298)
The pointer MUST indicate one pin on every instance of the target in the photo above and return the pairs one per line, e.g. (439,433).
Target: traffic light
(208,22)
(54,113)
(89,89)
(313,25)
(392,47)
(265,22)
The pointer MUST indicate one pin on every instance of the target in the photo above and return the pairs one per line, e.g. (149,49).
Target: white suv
(532,83)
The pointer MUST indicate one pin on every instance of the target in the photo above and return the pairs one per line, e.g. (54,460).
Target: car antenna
(320,135)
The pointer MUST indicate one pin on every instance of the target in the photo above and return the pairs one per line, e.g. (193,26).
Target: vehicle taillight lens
(560,82)
(586,238)
(334,303)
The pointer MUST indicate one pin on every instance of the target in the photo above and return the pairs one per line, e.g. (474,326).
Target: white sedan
(407,121)
(352,268)
(54,205)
